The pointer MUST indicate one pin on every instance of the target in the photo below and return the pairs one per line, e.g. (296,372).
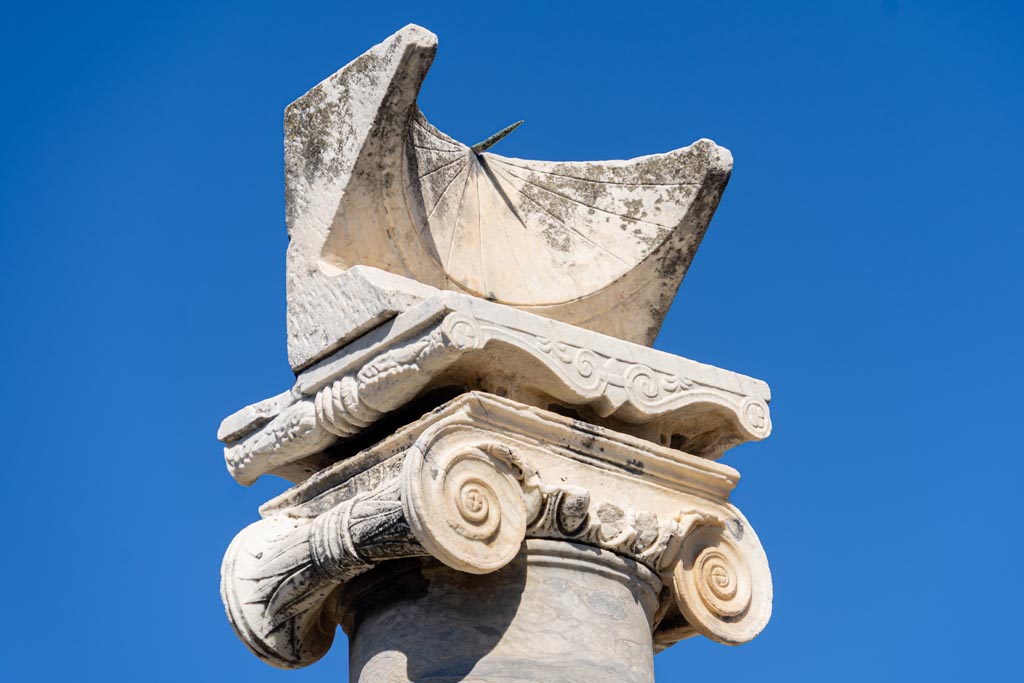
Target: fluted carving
(279,572)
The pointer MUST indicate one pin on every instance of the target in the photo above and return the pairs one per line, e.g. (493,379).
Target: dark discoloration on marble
(370,182)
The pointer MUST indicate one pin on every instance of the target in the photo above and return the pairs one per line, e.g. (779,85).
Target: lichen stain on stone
(313,125)
(582,227)
(557,239)
(634,208)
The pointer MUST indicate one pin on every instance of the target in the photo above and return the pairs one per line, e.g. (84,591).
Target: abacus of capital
(495,478)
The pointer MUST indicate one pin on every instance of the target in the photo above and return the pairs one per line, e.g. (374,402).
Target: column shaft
(558,613)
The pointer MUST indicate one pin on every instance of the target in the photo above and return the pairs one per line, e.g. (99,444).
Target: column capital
(466,484)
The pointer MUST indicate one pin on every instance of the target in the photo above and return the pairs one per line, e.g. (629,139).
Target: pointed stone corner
(369,181)
(334,136)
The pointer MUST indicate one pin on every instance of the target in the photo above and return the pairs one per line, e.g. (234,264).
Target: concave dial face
(532,233)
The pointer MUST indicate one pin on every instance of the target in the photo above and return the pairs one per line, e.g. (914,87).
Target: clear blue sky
(865,261)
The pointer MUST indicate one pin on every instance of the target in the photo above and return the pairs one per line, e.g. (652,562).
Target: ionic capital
(466,485)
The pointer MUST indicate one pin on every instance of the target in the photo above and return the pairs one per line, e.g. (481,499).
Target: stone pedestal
(558,613)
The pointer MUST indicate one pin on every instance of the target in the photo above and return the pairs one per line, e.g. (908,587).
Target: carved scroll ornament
(335,401)
(469,498)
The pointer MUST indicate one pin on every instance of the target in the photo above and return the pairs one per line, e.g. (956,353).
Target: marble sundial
(504,229)
(598,244)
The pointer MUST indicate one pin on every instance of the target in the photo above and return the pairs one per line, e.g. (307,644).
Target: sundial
(599,244)
(536,233)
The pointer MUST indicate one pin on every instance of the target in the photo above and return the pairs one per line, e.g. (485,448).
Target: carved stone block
(453,340)
(466,484)
(603,245)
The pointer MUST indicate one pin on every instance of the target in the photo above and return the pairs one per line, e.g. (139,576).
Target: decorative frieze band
(454,339)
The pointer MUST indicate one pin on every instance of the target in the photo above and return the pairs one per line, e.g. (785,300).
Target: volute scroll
(464,503)
(467,484)
(722,584)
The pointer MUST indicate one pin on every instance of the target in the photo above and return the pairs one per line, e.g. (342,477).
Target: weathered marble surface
(603,245)
(466,484)
(495,480)
(559,613)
